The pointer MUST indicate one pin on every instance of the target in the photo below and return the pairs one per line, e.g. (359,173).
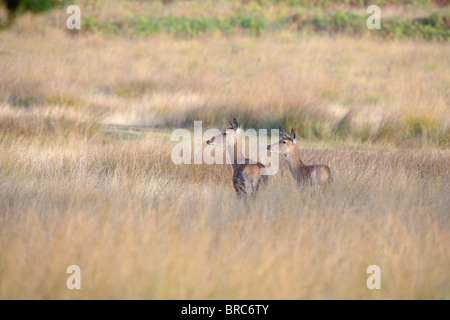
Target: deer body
(316,175)
(247,176)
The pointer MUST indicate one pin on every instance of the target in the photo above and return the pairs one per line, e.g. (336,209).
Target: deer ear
(293,136)
(235,124)
(283,134)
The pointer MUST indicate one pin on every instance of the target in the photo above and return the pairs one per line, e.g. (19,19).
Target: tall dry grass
(140,227)
(396,92)
(76,190)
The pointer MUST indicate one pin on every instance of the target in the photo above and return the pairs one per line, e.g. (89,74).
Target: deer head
(285,145)
(228,138)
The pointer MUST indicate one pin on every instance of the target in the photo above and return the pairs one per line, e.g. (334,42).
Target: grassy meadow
(86,176)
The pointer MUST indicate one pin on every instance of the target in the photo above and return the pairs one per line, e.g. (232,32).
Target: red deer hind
(317,174)
(247,176)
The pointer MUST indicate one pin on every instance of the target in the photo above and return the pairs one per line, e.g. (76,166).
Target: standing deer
(247,176)
(317,174)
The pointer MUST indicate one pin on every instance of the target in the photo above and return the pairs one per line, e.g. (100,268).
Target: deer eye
(224,133)
(284,142)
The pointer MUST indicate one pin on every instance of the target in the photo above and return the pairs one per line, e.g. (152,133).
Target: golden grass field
(86,176)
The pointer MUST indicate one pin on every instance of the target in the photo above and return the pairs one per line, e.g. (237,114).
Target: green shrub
(15,7)
(433,27)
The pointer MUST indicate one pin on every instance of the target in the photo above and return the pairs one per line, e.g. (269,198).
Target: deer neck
(294,163)
(235,152)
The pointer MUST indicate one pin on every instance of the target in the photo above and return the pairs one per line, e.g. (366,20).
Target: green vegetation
(410,19)
(313,125)
(430,27)
(351,3)
(183,27)
(15,7)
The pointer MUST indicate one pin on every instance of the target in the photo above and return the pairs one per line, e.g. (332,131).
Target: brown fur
(247,176)
(306,174)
